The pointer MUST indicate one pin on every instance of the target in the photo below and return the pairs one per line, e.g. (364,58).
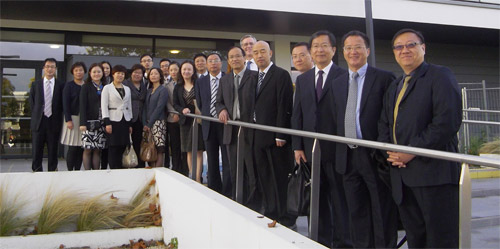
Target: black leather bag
(299,190)
(93,125)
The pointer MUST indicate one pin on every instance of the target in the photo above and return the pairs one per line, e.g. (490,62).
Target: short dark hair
(198,55)
(216,53)
(119,68)
(357,33)
(193,77)
(79,64)
(107,62)
(144,55)
(49,59)
(300,44)
(162,79)
(331,37)
(137,66)
(89,79)
(233,47)
(165,59)
(407,30)
(174,63)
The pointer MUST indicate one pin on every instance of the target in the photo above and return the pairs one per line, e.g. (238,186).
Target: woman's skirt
(120,135)
(94,139)
(187,137)
(159,132)
(72,137)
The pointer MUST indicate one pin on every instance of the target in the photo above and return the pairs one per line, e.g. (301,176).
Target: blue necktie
(319,85)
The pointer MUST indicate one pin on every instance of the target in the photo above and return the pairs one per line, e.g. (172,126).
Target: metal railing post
(485,102)
(194,150)
(315,178)
(465,208)
(239,166)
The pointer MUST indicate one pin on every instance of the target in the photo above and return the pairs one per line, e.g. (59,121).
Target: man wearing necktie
(357,103)
(206,95)
(46,116)
(312,110)
(272,151)
(247,42)
(423,108)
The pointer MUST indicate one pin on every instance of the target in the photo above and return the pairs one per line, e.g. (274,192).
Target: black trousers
(74,158)
(166,154)
(174,140)
(45,135)
(104,158)
(213,146)
(115,154)
(372,211)
(136,140)
(430,216)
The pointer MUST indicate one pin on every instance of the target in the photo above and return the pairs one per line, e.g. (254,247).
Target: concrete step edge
(482,222)
(478,193)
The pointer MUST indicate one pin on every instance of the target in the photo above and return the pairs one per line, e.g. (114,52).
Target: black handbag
(93,125)
(299,190)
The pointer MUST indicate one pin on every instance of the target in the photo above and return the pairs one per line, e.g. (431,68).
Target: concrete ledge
(486,172)
(485,222)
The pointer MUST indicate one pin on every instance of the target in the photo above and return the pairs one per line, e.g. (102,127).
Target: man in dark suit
(357,103)
(234,102)
(46,115)
(272,151)
(206,94)
(423,109)
(312,112)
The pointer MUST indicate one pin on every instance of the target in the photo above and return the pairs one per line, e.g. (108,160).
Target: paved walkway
(485,205)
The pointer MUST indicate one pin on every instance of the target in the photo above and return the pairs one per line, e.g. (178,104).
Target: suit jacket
(71,100)
(375,85)
(246,97)
(429,116)
(309,114)
(90,103)
(113,106)
(273,104)
(203,91)
(154,106)
(37,103)
(138,97)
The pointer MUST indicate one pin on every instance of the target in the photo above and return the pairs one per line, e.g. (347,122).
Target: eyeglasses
(232,57)
(408,45)
(147,60)
(301,56)
(213,61)
(50,67)
(323,45)
(355,48)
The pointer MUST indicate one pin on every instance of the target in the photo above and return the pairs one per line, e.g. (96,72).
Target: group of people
(363,191)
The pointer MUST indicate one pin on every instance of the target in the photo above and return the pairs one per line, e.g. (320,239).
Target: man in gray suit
(234,102)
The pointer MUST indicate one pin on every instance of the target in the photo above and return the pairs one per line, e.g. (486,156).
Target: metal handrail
(480,122)
(456,157)
(482,111)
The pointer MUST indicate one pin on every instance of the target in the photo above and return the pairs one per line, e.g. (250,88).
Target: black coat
(90,103)
(37,103)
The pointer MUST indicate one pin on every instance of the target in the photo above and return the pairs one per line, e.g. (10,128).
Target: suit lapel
(342,90)
(367,86)
(328,81)
(267,78)
(423,69)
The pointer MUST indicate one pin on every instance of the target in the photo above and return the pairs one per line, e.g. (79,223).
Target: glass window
(111,46)
(31,45)
(182,49)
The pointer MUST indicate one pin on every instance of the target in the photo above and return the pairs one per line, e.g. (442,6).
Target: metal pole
(239,166)
(485,100)
(465,208)
(369,31)
(315,178)
(466,125)
(194,150)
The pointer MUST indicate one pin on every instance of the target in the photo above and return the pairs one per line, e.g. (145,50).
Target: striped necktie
(261,78)
(350,110)
(396,106)
(214,87)
(48,99)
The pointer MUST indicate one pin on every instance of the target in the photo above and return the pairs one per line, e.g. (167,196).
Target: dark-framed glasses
(408,45)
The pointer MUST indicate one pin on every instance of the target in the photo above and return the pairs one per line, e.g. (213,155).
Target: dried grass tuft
(100,212)
(10,221)
(58,210)
(492,147)
(140,212)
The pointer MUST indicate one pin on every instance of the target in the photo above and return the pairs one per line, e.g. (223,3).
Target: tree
(10,107)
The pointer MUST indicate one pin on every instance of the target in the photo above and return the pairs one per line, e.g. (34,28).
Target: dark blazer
(375,85)
(90,103)
(203,90)
(429,116)
(71,100)
(180,104)
(154,106)
(37,103)
(138,98)
(309,114)
(274,103)
(246,97)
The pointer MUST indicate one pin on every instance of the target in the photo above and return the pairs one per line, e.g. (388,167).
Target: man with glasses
(301,57)
(247,42)
(357,103)
(147,62)
(423,109)
(200,64)
(312,112)
(234,102)
(206,95)
(46,116)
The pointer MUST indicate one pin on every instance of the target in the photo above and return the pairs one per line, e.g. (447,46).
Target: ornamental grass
(10,221)
(58,210)
(100,212)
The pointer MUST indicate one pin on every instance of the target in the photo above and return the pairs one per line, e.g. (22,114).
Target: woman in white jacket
(116,106)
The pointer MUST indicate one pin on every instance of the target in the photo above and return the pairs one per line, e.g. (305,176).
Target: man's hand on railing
(186,111)
(224,116)
(399,159)
(280,142)
(299,154)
